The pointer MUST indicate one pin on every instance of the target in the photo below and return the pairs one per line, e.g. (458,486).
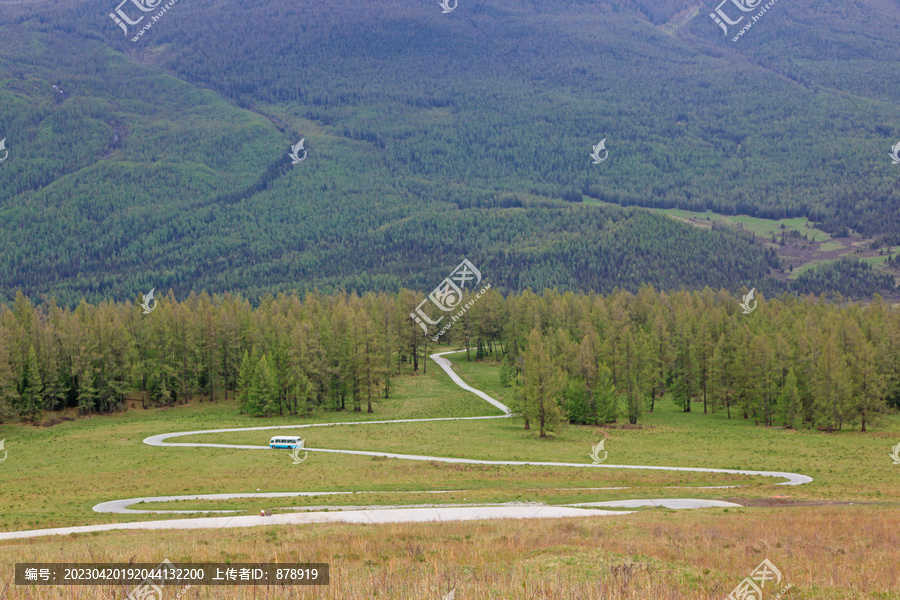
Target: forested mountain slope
(797,119)
(163,162)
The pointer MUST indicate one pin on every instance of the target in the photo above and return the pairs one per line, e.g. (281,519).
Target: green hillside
(163,163)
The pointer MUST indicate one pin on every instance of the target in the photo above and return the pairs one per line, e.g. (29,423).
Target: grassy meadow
(835,538)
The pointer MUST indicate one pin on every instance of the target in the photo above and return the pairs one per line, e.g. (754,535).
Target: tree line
(586,358)
(790,362)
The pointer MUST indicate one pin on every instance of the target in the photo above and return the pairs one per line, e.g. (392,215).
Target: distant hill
(163,162)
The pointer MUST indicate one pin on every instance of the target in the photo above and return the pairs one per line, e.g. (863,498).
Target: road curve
(448,368)
(386,515)
(160,440)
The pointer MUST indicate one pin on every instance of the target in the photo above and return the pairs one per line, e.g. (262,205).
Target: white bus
(285,441)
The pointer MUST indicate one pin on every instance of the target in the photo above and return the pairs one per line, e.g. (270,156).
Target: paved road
(376,515)
(416,515)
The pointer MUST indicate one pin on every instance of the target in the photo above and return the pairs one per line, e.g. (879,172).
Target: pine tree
(634,371)
(9,395)
(87,396)
(868,382)
(744,372)
(543,384)
(507,372)
(268,399)
(789,402)
(606,396)
(577,402)
(686,371)
(831,386)
(263,397)
(588,364)
(719,379)
(32,401)
(661,360)
(244,382)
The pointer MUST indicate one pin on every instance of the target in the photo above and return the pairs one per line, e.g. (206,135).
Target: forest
(582,358)
(164,164)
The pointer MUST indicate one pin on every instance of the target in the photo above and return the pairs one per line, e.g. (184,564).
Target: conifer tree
(9,395)
(32,401)
(789,402)
(543,384)
(606,396)
(244,381)
(831,386)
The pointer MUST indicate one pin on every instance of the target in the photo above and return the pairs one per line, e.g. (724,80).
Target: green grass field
(103,458)
(763,228)
(798,271)
(54,475)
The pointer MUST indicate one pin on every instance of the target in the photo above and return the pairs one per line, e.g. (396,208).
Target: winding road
(419,513)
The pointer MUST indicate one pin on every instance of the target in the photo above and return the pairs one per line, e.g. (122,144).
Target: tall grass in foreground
(826,553)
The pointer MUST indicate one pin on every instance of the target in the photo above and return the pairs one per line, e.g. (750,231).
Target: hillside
(163,162)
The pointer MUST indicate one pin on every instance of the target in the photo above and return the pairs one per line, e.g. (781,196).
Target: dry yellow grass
(826,553)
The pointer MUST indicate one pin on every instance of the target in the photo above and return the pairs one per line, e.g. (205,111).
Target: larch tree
(32,388)
(607,396)
(868,383)
(831,385)
(543,381)
(789,409)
